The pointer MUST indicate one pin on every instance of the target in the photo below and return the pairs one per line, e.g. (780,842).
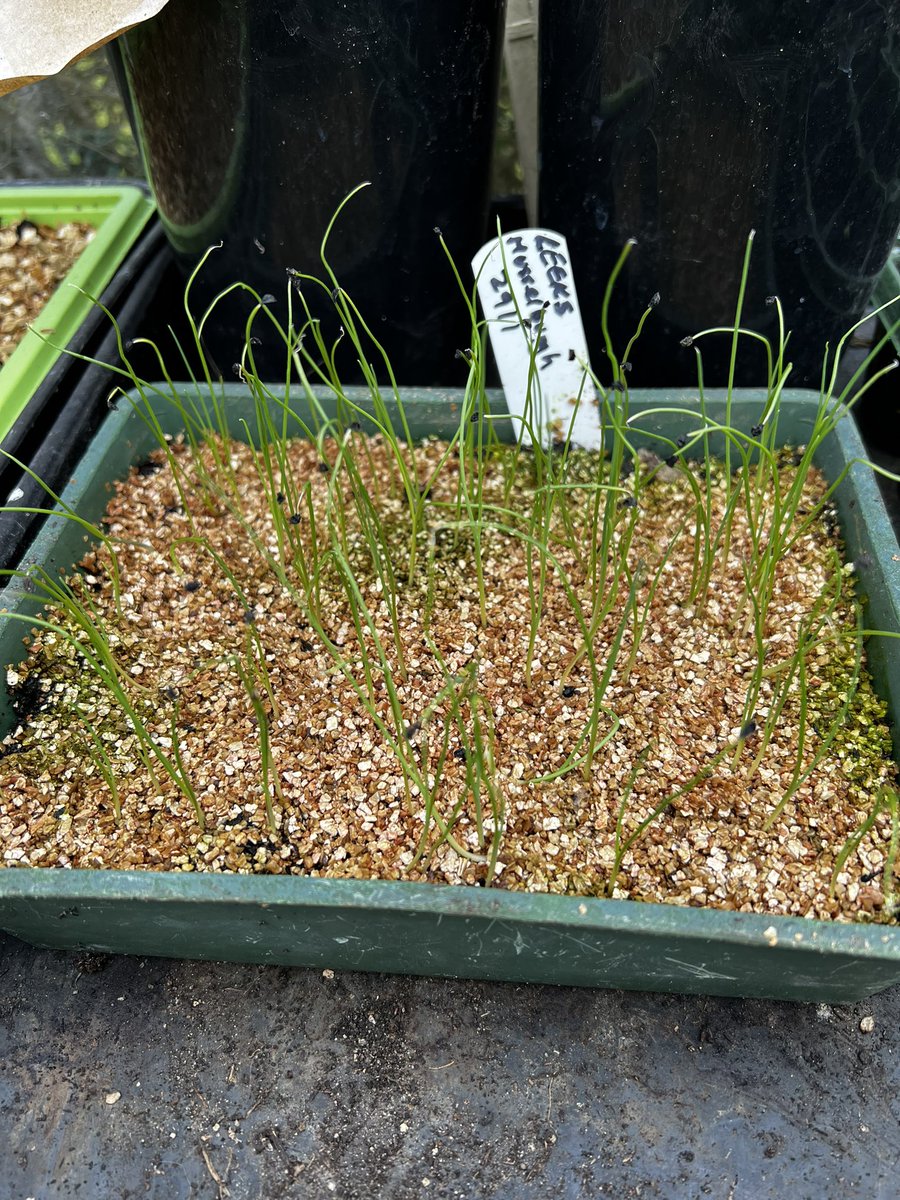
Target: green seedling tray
(118,214)
(439,930)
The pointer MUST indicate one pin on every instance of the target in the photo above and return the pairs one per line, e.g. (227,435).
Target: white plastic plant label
(527,294)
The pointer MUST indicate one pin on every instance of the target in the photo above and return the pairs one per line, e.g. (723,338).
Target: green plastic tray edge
(118,215)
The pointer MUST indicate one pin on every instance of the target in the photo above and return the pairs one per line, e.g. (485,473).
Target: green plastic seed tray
(439,930)
(117,214)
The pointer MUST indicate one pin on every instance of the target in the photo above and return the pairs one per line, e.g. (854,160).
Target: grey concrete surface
(257,1083)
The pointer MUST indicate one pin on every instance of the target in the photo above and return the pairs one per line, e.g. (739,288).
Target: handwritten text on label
(528,296)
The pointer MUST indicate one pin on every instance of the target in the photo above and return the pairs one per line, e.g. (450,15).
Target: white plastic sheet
(47,35)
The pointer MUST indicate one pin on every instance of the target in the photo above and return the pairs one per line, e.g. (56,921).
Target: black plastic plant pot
(441,930)
(688,126)
(257,120)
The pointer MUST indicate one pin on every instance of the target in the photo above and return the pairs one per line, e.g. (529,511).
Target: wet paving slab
(139,1077)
